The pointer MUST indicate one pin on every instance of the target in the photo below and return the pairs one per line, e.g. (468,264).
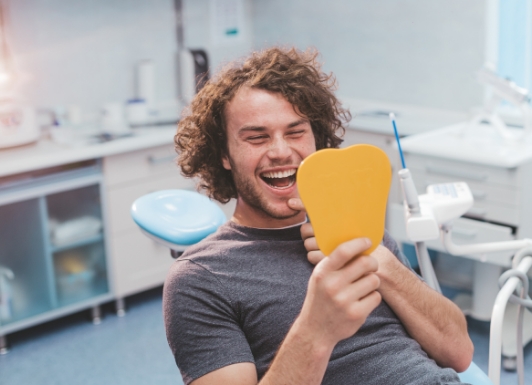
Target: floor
(131,350)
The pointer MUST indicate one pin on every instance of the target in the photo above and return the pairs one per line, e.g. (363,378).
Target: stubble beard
(249,194)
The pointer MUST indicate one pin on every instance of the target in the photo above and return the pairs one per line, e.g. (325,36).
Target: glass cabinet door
(24,270)
(75,226)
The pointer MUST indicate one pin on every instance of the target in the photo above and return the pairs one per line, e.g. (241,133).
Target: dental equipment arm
(416,223)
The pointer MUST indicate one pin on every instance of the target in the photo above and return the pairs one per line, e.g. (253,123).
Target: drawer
(488,210)
(465,231)
(496,213)
(138,263)
(135,165)
(120,199)
(460,171)
(482,192)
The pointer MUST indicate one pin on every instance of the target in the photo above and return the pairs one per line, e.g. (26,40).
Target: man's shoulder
(212,245)
(206,254)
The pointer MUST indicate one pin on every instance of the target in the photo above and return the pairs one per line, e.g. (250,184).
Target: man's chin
(281,214)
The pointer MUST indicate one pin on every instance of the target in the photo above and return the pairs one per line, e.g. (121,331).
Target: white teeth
(279,174)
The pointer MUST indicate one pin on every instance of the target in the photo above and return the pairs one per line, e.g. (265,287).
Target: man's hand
(314,254)
(342,292)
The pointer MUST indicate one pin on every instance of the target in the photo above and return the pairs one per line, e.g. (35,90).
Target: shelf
(79,243)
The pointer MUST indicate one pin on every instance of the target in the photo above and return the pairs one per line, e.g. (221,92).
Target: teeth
(279,174)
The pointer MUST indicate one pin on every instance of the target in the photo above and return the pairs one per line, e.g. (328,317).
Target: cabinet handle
(456,173)
(476,212)
(479,194)
(464,233)
(158,160)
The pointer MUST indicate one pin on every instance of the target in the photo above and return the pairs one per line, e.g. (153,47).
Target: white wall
(80,52)
(84,52)
(407,51)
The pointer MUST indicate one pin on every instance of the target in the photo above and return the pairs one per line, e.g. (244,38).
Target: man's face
(266,141)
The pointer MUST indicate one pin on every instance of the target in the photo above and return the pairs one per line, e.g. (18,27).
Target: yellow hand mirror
(345,193)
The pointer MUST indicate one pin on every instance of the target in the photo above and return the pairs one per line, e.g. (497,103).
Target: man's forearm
(431,319)
(301,359)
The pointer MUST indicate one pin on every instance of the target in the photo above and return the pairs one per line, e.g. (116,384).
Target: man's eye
(257,138)
(296,133)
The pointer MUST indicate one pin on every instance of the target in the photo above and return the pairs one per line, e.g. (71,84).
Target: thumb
(296,204)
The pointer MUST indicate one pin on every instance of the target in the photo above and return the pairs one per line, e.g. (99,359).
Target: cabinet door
(134,166)
(25,279)
(120,199)
(75,227)
(139,263)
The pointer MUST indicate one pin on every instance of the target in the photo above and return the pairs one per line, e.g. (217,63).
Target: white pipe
(497,318)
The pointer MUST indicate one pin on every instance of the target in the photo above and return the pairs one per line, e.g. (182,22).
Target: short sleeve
(201,324)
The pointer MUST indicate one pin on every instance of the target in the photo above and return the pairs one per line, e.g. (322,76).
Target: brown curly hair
(201,140)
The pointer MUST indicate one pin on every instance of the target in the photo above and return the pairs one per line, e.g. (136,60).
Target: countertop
(47,153)
(371,116)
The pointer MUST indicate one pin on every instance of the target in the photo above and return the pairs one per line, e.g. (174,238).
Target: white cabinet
(137,262)
(53,257)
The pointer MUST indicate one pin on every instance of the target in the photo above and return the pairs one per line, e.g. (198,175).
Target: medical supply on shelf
(145,82)
(74,229)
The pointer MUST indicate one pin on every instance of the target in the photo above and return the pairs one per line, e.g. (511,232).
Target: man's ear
(226,163)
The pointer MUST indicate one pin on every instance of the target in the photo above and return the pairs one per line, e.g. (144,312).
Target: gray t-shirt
(233,297)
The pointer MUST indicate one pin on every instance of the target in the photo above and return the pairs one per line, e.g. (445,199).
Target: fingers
(296,204)
(360,288)
(359,267)
(307,231)
(346,252)
(315,256)
(311,244)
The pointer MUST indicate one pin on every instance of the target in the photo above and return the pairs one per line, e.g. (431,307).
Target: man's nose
(280,149)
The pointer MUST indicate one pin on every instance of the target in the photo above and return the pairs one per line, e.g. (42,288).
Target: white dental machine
(494,163)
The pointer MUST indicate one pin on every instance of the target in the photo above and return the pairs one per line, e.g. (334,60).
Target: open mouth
(280,179)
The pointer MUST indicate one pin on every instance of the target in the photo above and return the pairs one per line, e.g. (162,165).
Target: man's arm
(341,294)
(431,319)
(434,321)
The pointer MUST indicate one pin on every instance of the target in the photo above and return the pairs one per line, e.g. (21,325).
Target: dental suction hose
(511,281)
(412,205)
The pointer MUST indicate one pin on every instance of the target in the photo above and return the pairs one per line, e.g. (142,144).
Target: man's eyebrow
(297,123)
(245,129)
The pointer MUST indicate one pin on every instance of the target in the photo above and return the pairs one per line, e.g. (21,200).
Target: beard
(251,194)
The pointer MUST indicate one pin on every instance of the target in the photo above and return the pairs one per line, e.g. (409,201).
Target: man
(247,305)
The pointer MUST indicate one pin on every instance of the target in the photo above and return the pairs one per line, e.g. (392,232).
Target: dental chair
(176,218)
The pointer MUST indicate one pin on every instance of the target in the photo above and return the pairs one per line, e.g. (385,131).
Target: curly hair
(201,140)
